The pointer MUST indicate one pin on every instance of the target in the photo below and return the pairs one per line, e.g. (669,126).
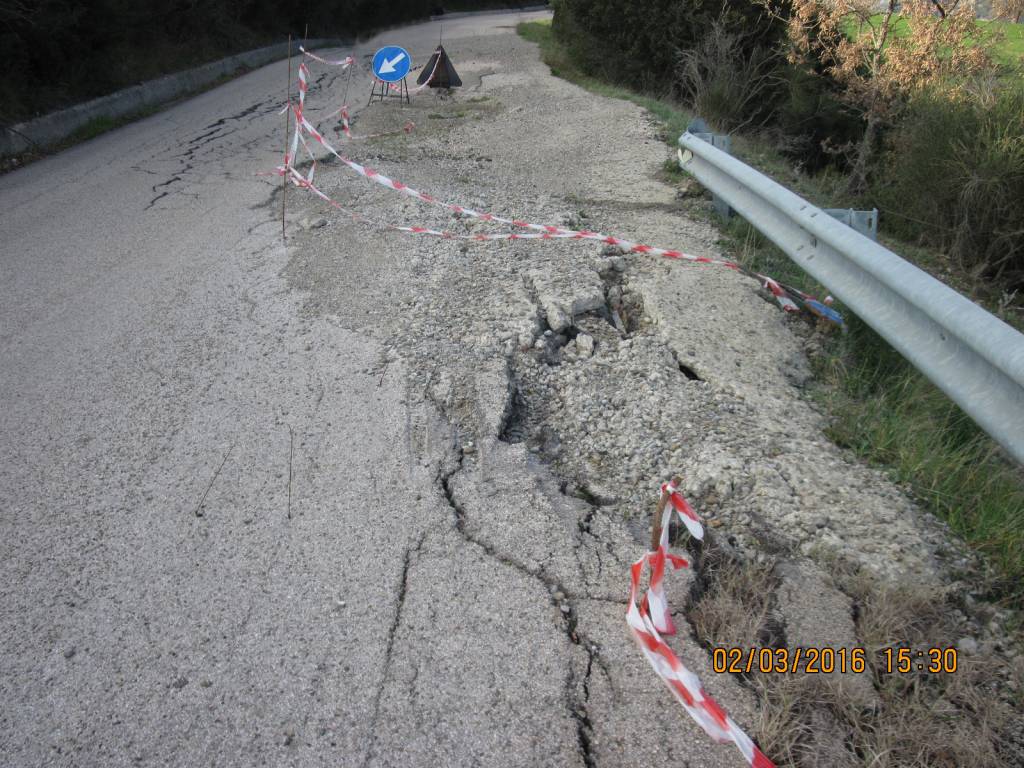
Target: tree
(1009,10)
(943,9)
(881,54)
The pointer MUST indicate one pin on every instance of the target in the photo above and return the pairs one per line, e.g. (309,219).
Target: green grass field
(1010,46)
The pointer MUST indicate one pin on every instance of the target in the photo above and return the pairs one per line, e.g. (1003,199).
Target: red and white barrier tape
(546,229)
(652,619)
(343,63)
(346,126)
(780,295)
(350,60)
(783,296)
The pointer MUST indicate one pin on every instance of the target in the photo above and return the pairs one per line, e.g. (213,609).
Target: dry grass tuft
(919,720)
(734,608)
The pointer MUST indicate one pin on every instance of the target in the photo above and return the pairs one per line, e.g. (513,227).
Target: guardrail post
(865,222)
(722,141)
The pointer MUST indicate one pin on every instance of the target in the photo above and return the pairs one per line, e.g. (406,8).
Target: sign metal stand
(381,91)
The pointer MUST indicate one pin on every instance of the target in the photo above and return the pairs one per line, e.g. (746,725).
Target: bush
(636,44)
(729,78)
(953,176)
(812,122)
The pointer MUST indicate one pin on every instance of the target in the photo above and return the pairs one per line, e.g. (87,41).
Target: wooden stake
(288,160)
(656,523)
(348,82)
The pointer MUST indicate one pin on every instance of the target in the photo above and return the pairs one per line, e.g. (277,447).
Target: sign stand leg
(402,95)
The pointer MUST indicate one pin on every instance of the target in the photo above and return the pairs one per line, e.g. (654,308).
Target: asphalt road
(229,537)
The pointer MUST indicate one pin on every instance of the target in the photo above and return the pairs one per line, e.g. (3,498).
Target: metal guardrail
(971,355)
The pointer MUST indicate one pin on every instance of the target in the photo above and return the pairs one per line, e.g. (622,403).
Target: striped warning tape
(784,298)
(651,619)
(789,299)
(342,112)
(350,60)
(343,63)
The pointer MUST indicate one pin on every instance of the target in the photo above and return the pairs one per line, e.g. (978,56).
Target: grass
(1009,42)
(890,415)
(1012,44)
(881,408)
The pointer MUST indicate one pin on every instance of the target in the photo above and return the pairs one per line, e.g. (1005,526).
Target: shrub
(729,77)
(636,44)
(814,121)
(953,176)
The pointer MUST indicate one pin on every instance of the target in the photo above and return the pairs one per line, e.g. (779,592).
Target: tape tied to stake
(651,619)
(343,63)
(346,126)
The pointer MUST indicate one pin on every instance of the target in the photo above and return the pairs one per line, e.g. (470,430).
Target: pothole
(549,345)
(689,373)
(519,428)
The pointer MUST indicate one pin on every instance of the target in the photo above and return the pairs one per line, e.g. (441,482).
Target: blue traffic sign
(391,63)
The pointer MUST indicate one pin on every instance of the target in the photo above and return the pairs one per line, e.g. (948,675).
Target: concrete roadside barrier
(50,129)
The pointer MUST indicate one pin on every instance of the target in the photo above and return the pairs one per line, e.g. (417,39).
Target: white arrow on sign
(388,66)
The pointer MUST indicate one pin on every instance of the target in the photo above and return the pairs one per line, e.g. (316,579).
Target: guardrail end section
(722,141)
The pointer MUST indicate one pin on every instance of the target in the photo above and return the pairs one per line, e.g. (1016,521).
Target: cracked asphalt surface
(220,543)
(271,506)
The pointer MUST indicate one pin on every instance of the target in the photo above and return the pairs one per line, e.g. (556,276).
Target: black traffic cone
(439,72)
